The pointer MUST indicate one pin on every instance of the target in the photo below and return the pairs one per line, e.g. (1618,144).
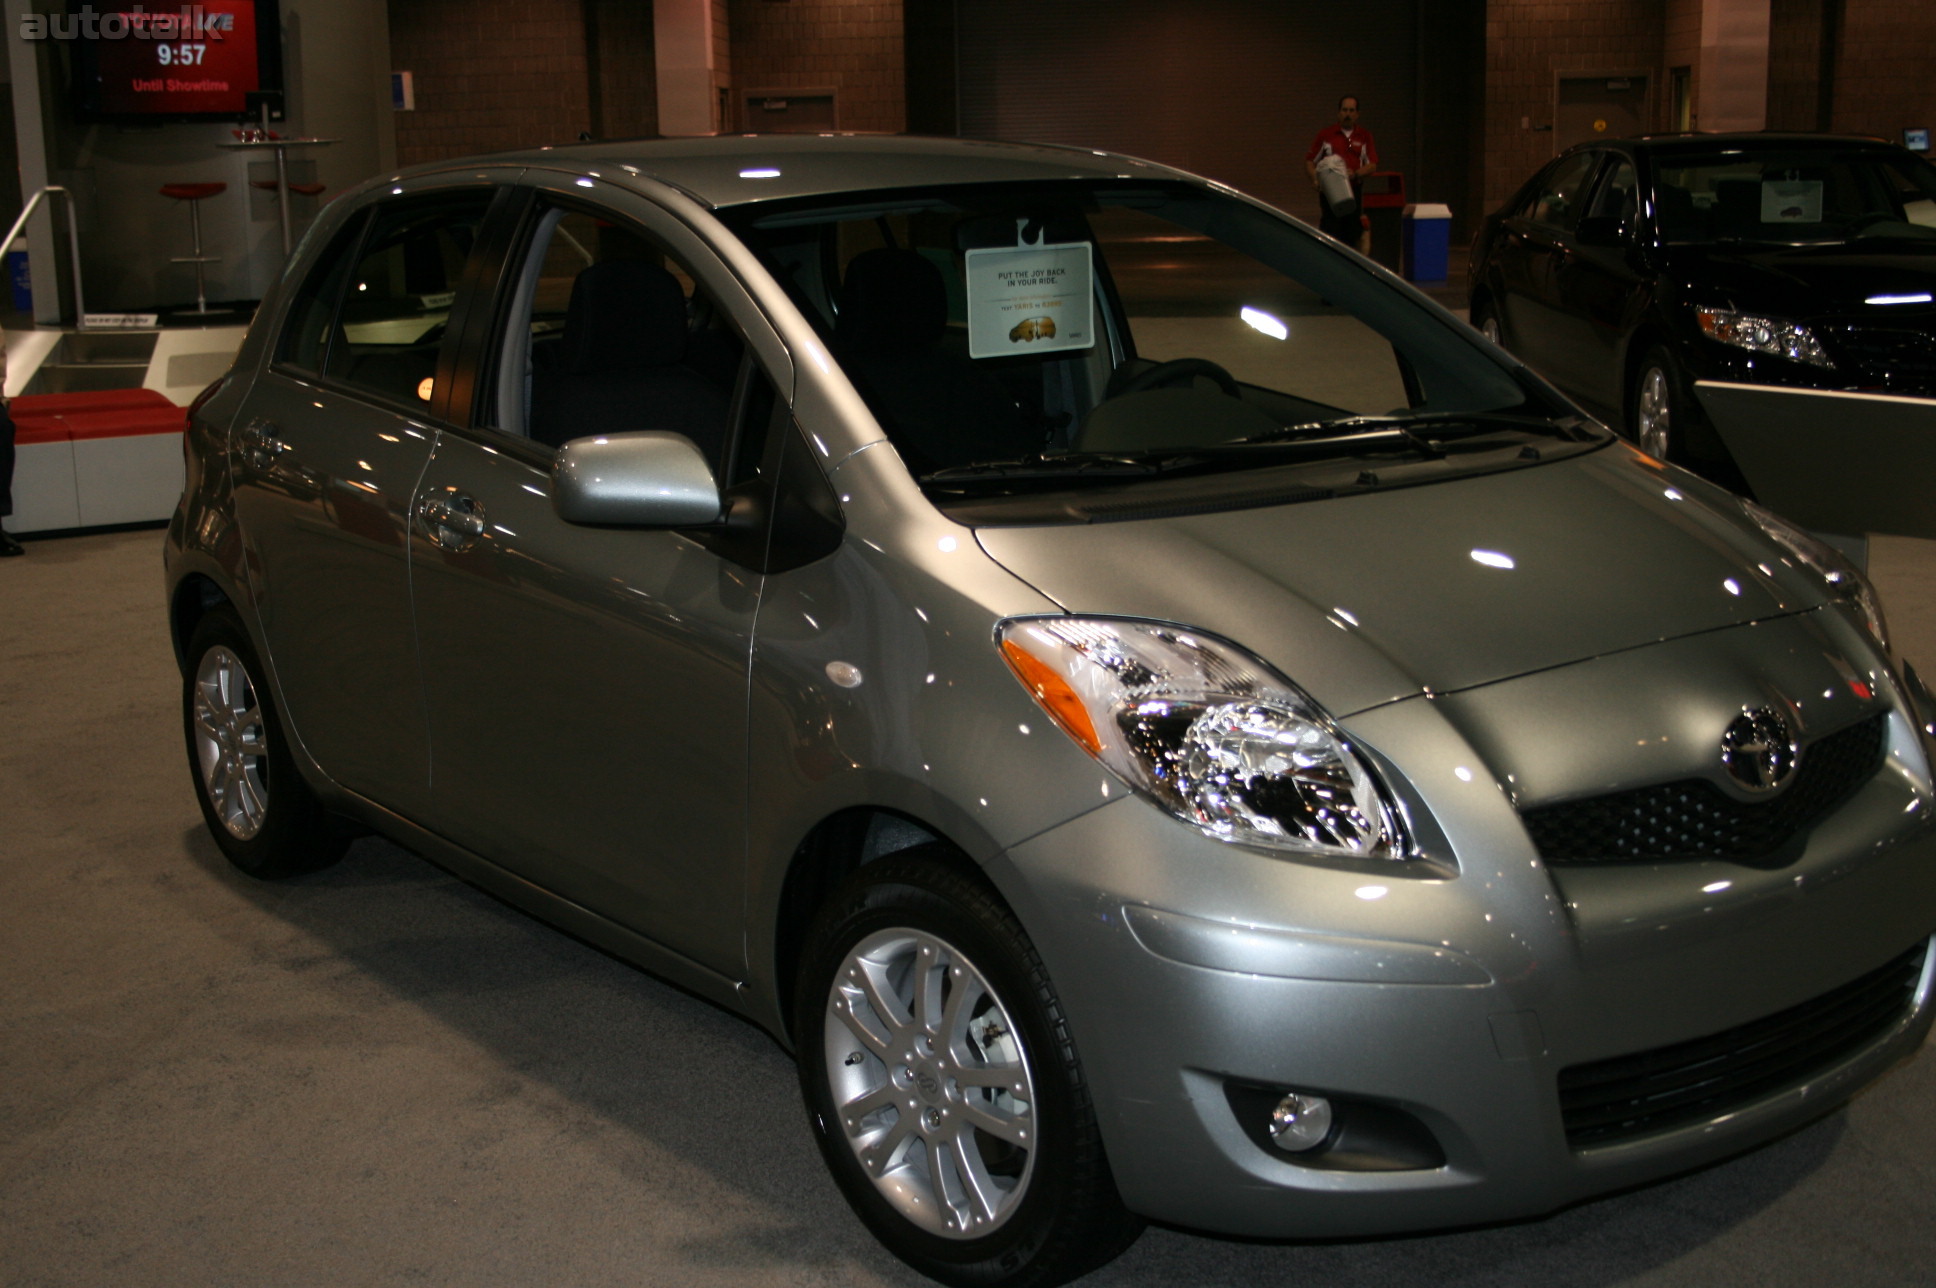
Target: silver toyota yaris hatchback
(1164,720)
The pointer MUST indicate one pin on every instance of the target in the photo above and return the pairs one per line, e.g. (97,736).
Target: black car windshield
(1049,325)
(1793,195)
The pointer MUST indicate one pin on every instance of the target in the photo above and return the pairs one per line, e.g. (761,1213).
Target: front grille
(1892,358)
(1673,1086)
(1694,819)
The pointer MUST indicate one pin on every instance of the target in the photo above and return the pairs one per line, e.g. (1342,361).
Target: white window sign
(1791,201)
(1030,299)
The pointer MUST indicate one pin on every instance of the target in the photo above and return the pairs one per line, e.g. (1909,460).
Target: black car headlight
(1776,336)
(1207,731)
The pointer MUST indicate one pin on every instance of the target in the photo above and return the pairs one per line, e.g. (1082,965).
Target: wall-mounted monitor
(195,62)
(1916,140)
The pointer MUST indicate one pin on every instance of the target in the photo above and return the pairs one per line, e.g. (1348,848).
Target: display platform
(1831,461)
(98,417)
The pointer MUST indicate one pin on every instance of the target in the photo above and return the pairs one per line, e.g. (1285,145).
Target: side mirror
(646,479)
(1602,231)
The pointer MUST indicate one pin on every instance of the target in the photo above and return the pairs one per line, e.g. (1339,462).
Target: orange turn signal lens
(1054,695)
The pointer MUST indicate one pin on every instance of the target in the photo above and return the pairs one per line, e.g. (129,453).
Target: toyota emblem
(1759,750)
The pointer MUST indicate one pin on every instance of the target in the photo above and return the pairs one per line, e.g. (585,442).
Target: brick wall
(1795,64)
(855,46)
(490,75)
(1882,68)
(1680,47)
(1528,43)
(624,81)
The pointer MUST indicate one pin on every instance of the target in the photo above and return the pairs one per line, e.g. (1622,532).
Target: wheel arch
(1642,340)
(192,598)
(832,850)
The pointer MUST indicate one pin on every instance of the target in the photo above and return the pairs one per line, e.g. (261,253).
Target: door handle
(261,444)
(452,519)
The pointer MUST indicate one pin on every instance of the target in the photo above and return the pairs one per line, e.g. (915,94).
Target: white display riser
(96,482)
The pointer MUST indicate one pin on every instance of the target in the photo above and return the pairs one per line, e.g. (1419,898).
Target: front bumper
(1453,995)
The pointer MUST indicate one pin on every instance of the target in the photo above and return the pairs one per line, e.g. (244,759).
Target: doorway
(1605,106)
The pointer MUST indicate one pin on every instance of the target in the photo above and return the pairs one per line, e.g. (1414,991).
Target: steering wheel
(1179,371)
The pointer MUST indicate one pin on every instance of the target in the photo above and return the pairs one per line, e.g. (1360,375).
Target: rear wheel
(943,1085)
(257,806)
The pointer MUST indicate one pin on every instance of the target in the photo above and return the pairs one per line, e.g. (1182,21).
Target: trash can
(1384,193)
(1427,242)
(19,282)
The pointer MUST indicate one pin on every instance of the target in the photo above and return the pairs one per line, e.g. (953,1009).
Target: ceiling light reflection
(1265,323)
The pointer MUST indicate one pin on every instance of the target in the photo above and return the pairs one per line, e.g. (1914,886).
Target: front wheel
(944,1087)
(260,811)
(1485,319)
(1658,406)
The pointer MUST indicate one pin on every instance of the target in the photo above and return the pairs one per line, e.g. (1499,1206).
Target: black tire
(1659,407)
(1052,1211)
(254,800)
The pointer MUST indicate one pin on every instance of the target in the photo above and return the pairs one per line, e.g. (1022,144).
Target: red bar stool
(193,193)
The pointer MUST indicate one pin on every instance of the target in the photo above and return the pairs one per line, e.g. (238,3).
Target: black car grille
(1900,361)
(1672,1086)
(1694,819)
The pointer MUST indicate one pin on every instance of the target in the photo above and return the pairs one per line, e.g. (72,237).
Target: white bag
(1334,184)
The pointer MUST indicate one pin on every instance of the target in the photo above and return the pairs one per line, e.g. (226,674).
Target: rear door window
(374,312)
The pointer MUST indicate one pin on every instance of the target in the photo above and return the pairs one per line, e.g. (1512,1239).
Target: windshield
(1794,195)
(1049,325)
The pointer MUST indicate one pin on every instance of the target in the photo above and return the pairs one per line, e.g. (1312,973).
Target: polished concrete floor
(377,1075)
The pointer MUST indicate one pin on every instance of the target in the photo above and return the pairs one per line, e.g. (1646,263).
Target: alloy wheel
(1654,413)
(230,748)
(931,1082)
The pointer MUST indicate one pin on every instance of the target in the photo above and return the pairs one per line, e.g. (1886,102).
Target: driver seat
(938,407)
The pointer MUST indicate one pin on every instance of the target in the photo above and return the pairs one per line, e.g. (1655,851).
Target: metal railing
(73,245)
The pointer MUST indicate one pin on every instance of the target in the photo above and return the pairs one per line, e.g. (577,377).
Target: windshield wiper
(1424,434)
(1428,431)
(1100,466)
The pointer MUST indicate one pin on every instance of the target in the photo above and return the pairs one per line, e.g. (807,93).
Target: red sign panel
(200,58)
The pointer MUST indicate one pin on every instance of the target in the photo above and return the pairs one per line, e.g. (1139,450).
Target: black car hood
(1807,281)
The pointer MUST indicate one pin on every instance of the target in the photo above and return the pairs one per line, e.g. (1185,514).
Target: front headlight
(1844,580)
(1207,731)
(1777,336)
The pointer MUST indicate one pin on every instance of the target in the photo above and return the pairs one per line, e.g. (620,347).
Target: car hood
(1802,281)
(1374,597)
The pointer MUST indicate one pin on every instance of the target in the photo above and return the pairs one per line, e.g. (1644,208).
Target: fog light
(1300,1122)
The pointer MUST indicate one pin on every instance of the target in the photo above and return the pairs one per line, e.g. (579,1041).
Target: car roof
(737,169)
(1756,141)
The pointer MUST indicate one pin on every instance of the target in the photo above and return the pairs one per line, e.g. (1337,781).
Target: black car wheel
(1657,407)
(1485,319)
(944,1087)
(260,811)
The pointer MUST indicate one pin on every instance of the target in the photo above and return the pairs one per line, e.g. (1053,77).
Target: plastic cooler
(1427,243)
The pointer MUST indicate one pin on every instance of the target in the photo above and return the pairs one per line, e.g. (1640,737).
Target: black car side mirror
(1603,230)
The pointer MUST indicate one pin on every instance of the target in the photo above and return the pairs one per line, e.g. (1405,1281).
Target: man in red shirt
(1351,143)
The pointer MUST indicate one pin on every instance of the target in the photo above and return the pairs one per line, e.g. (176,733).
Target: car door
(585,687)
(340,427)
(1536,245)
(1601,286)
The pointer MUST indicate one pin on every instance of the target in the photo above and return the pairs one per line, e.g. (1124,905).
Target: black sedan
(1626,270)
